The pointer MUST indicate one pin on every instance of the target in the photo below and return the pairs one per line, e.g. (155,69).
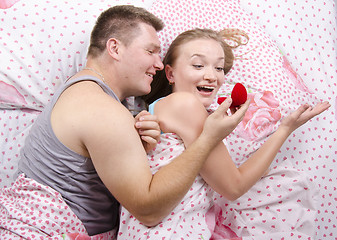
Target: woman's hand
(148,129)
(219,124)
(303,114)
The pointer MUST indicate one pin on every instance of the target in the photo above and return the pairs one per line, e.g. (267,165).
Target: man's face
(140,61)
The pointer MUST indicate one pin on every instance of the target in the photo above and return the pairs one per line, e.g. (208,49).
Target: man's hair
(120,22)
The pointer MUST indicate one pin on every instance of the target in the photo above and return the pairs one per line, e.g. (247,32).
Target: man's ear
(169,73)
(113,47)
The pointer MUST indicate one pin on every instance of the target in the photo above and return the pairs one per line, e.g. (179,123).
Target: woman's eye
(197,66)
(220,69)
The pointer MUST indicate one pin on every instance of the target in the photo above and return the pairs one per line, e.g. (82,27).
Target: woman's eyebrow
(203,56)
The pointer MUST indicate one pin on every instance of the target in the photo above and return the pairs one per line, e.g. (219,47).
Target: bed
(290,59)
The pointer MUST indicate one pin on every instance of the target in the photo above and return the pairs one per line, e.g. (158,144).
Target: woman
(194,69)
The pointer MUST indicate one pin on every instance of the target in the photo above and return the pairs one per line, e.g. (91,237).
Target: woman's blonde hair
(228,39)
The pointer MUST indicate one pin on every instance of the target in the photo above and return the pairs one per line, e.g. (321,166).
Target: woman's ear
(169,74)
(113,48)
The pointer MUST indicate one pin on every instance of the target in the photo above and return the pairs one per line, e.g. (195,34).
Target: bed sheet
(304,70)
(291,59)
(307,33)
(37,54)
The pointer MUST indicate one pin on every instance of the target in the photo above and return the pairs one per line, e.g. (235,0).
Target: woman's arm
(222,175)
(182,113)
(179,114)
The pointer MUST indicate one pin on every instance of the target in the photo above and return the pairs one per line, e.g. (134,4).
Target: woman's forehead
(201,48)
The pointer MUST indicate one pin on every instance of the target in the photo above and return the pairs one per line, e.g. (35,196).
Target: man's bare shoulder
(105,130)
(85,113)
(86,102)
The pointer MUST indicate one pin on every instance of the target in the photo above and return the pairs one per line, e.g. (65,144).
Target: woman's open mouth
(205,89)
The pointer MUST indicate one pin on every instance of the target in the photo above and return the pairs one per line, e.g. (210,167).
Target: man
(89,148)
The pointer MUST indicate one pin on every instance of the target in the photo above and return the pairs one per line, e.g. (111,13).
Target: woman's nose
(210,75)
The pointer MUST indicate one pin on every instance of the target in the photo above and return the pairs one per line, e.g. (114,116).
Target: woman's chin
(206,102)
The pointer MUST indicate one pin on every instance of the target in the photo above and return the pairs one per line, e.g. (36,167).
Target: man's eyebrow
(155,46)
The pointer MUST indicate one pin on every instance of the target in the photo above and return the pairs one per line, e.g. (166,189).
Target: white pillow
(276,90)
(42,43)
(260,66)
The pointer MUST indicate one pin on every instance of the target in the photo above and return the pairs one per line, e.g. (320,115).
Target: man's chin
(145,91)
(141,93)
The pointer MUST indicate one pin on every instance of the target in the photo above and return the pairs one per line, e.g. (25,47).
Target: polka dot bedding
(290,59)
(42,43)
(306,33)
(280,74)
(190,219)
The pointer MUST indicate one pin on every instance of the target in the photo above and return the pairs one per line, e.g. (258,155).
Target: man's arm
(121,162)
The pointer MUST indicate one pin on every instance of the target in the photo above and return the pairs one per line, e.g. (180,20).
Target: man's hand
(148,129)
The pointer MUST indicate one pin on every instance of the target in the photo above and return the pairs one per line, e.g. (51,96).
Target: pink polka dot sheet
(195,217)
(30,210)
(305,32)
(7,3)
(290,59)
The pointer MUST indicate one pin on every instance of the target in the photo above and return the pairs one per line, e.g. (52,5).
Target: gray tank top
(45,159)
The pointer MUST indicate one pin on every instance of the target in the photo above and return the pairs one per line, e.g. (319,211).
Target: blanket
(193,218)
(29,210)
(282,205)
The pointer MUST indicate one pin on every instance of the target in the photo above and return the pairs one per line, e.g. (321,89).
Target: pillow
(15,125)
(275,90)
(7,3)
(273,86)
(306,33)
(42,43)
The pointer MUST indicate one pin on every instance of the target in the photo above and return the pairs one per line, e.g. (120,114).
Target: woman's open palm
(303,114)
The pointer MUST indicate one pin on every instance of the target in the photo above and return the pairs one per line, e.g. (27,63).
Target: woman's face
(198,69)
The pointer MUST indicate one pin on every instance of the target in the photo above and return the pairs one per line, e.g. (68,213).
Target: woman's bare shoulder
(181,113)
(176,102)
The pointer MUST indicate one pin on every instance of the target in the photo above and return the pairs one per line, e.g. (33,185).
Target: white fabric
(188,219)
(43,42)
(283,203)
(307,34)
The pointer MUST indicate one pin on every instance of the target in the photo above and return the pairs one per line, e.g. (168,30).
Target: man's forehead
(149,36)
